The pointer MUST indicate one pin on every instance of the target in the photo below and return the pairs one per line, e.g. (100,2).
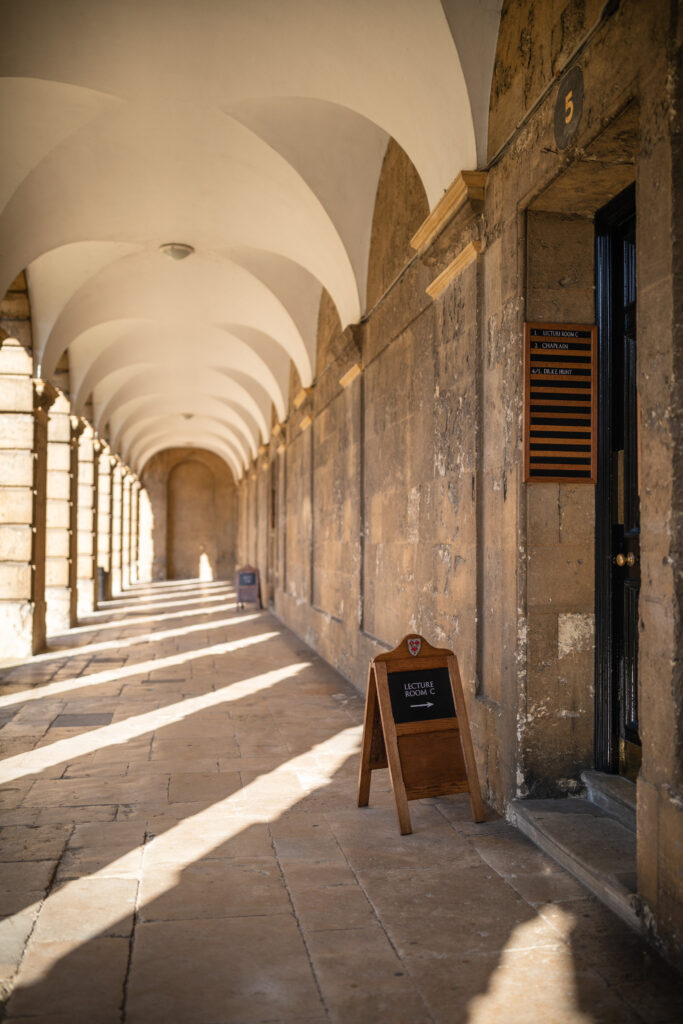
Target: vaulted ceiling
(251,130)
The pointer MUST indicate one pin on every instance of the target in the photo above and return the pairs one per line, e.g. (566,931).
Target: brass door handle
(622,560)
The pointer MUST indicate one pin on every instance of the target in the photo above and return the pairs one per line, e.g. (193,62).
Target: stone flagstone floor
(179,842)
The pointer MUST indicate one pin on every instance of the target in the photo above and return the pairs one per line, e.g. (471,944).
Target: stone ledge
(612,794)
(469,186)
(597,850)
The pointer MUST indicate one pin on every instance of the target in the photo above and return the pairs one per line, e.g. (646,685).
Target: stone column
(135,531)
(16,499)
(126,482)
(43,397)
(145,546)
(76,426)
(97,451)
(57,543)
(22,630)
(86,522)
(104,467)
(116,506)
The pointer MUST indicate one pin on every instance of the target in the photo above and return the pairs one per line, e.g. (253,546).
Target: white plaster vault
(254,131)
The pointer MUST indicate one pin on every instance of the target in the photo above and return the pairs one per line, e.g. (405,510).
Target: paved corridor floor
(180,843)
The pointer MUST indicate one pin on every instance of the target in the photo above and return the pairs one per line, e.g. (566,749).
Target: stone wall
(400,501)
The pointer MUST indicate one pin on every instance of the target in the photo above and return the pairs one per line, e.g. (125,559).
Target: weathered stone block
(58,428)
(577,514)
(58,515)
(15,306)
(85,566)
(16,628)
(58,611)
(16,468)
(56,572)
(15,581)
(562,576)
(58,458)
(15,543)
(57,544)
(16,430)
(15,359)
(16,505)
(16,394)
(543,514)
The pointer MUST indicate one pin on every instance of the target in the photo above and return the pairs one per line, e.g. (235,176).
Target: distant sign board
(248,586)
(416,725)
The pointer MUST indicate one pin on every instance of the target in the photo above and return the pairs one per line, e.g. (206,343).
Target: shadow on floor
(214,868)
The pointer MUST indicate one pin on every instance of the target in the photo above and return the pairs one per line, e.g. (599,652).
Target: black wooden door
(617,495)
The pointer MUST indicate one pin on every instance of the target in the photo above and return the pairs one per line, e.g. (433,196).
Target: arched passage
(192,540)
(192,497)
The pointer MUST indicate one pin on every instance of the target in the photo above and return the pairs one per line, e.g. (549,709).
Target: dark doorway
(617,743)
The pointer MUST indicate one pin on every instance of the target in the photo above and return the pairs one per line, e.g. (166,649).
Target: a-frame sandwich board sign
(416,725)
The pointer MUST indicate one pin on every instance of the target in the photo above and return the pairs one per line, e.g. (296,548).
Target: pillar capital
(44,395)
(78,425)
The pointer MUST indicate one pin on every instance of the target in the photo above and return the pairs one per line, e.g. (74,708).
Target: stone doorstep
(590,844)
(613,794)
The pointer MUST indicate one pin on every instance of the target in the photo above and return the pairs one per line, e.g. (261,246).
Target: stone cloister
(384,302)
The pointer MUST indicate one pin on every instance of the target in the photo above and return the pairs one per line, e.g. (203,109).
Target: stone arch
(192,496)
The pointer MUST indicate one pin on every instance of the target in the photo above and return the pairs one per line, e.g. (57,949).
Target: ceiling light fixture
(177,250)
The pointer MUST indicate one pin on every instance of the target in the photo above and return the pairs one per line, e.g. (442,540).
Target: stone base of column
(86,598)
(16,629)
(115,583)
(58,615)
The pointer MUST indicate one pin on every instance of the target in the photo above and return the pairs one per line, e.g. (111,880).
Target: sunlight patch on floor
(141,620)
(140,668)
(532,982)
(195,837)
(145,638)
(33,761)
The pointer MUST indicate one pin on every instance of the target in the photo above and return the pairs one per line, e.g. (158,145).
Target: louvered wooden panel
(560,402)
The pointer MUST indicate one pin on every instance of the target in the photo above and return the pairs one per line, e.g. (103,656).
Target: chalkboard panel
(248,585)
(421,695)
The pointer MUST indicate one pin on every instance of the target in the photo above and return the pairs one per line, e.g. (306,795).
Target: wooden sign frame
(560,403)
(248,591)
(426,758)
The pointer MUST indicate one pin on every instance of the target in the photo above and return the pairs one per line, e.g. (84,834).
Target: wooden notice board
(248,585)
(416,725)
(560,403)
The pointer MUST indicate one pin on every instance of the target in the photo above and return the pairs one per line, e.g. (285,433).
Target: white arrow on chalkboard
(427,705)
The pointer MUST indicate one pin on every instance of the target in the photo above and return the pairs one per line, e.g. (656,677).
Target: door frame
(606,732)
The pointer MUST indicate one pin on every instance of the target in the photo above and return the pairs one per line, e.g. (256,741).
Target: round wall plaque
(568,107)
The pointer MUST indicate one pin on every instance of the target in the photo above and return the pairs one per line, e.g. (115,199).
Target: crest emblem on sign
(414,645)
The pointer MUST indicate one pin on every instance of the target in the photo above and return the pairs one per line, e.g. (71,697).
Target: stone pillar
(145,545)
(97,451)
(17,467)
(126,482)
(57,544)
(116,506)
(135,531)
(76,426)
(43,397)
(86,522)
(104,466)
